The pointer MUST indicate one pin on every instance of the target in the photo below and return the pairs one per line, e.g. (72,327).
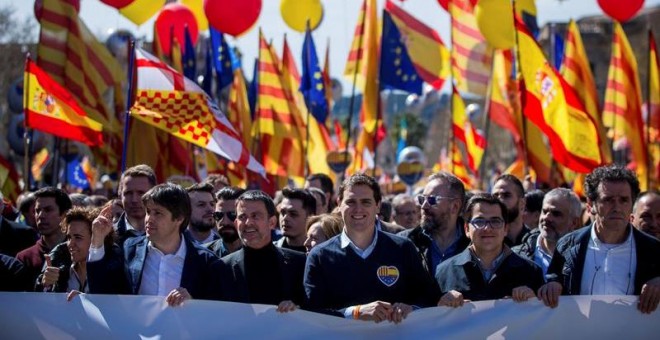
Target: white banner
(50,316)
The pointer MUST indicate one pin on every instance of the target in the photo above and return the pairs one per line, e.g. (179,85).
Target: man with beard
(50,208)
(296,206)
(225,222)
(202,205)
(560,214)
(510,191)
(646,213)
(134,183)
(441,234)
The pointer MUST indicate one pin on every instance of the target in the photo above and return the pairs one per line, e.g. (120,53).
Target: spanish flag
(51,108)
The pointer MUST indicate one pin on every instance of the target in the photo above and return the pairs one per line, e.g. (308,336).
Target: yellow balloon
(197,7)
(296,13)
(495,20)
(139,11)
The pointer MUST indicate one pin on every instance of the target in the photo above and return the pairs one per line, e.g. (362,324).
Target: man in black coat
(14,237)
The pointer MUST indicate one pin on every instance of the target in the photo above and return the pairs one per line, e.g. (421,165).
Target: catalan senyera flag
(505,111)
(576,71)
(238,109)
(70,53)
(471,56)
(623,101)
(9,180)
(550,103)
(458,168)
(171,102)
(280,130)
(51,108)
(653,120)
(425,47)
(474,142)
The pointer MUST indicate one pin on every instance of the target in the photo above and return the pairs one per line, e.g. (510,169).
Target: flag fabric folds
(474,142)
(423,44)
(221,58)
(471,55)
(9,180)
(623,101)
(51,108)
(576,71)
(396,69)
(653,119)
(550,103)
(312,84)
(173,103)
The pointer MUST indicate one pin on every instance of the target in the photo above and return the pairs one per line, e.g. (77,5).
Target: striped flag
(550,103)
(576,71)
(653,119)
(51,108)
(171,102)
(623,101)
(9,180)
(39,162)
(471,55)
(475,143)
(424,46)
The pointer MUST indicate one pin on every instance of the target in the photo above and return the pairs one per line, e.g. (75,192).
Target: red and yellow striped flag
(471,55)
(280,131)
(466,133)
(9,180)
(576,71)
(653,120)
(623,101)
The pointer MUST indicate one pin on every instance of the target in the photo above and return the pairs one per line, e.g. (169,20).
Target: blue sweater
(337,278)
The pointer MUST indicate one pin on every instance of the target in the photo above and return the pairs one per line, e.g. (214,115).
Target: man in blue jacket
(365,273)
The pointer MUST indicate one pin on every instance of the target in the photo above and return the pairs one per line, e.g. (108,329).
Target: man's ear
(466,226)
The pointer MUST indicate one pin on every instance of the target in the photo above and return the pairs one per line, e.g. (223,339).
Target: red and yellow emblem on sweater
(388,275)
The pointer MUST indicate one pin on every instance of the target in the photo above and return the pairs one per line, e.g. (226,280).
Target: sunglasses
(431,199)
(482,223)
(218,215)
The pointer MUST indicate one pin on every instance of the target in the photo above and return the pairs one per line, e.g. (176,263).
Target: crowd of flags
(277,127)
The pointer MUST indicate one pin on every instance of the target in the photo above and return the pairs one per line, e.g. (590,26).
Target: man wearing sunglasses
(440,234)
(225,222)
(487,269)
(202,203)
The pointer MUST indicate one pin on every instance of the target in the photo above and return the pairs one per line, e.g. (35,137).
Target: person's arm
(650,296)
(549,292)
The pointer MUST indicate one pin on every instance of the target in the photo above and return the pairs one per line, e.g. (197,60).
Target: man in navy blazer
(610,257)
(14,237)
(162,262)
(260,272)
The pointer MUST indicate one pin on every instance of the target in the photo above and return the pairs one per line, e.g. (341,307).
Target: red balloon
(117,3)
(231,16)
(621,10)
(39,7)
(173,18)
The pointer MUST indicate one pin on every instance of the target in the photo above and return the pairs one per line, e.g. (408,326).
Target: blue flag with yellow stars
(189,58)
(311,81)
(396,69)
(75,175)
(221,58)
(253,87)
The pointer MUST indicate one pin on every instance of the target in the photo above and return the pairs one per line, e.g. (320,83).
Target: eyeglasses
(482,223)
(431,199)
(218,215)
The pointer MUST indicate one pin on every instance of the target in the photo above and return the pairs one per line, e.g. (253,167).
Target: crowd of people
(353,254)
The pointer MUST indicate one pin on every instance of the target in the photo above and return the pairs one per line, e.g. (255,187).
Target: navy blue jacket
(122,233)
(462,273)
(423,243)
(195,277)
(568,260)
(13,276)
(337,278)
(15,237)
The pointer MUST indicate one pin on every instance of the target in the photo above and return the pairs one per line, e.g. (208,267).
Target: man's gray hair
(575,206)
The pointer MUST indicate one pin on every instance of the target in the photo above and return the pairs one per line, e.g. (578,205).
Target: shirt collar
(180,253)
(600,244)
(539,247)
(346,241)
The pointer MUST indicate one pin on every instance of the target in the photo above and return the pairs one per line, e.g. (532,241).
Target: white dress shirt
(541,256)
(609,269)
(162,273)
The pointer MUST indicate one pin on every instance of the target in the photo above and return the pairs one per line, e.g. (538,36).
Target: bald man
(646,213)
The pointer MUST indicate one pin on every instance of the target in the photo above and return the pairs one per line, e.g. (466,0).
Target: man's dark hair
(313,190)
(456,186)
(140,170)
(216,178)
(644,194)
(534,200)
(25,202)
(229,193)
(325,180)
(258,196)
(307,199)
(361,179)
(61,198)
(385,212)
(520,189)
(483,198)
(203,187)
(610,173)
(173,198)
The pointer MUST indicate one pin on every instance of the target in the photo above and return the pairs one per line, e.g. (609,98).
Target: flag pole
(127,114)
(486,110)
(379,108)
(352,101)
(515,77)
(309,109)
(452,78)
(28,134)
(648,114)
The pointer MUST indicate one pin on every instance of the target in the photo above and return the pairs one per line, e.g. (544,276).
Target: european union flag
(253,88)
(311,82)
(222,58)
(75,174)
(189,59)
(559,50)
(396,69)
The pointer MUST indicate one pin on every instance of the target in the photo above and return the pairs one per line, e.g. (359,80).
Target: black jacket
(568,260)
(423,244)
(15,237)
(527,248)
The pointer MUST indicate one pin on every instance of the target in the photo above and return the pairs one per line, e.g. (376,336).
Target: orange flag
(551,104)
(623,101)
